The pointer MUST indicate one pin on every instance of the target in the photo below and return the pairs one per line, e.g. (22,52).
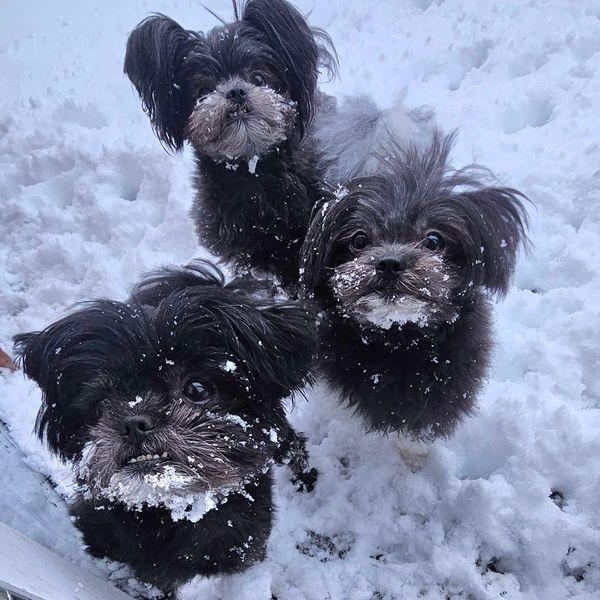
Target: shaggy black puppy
(243,95)
(404,262)
(170,407)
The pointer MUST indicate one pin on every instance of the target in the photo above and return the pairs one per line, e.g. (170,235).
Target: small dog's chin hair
(381,312)
(223,131)
(182,495)
(376,310)
(189,457)
(154,489)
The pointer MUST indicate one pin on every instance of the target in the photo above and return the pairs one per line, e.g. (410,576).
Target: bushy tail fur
(354,135)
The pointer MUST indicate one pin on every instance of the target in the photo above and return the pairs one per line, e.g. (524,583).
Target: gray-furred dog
(403,262)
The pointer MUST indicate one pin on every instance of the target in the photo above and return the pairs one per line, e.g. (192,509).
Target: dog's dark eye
(359,240)
(197,392)
(259,79)
(433,241)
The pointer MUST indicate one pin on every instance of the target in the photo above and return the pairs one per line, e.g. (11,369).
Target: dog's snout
(136,428)
(237,95)
(390,267)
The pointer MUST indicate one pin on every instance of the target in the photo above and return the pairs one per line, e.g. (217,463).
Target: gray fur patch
(355,135)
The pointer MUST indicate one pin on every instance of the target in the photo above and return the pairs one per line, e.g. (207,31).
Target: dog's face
(171,399)
(392,271)
(240,120)
(409,245)
(235,92)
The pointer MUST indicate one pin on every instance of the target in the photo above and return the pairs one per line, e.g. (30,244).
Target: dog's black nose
(137,427)
(390,267)
(238,95)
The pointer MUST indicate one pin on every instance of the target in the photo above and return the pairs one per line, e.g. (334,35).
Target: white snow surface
(89,201)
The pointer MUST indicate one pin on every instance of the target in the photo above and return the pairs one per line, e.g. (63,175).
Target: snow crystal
(252,164)
(135,402)
(230,366)
(166,488)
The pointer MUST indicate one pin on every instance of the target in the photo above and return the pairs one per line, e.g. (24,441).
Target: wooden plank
(28,569)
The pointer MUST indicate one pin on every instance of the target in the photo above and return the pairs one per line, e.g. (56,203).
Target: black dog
(170,407)
(403,262)
(243,95)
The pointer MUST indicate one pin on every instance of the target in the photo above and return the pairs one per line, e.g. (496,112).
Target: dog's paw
(305,481)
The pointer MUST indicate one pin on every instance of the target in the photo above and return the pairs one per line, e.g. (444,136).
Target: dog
(170,408)
(403,263)
(243,95)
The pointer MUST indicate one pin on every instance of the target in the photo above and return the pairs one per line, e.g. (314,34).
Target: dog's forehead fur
(194,328)
(236,49)
(407,200)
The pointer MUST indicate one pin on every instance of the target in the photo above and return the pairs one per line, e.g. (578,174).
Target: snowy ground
(88,200)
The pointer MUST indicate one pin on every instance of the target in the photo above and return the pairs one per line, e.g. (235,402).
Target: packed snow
(509,507)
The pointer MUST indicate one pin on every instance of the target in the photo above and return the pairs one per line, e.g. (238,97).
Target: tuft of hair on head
(214,14)
(276,338)
(154,287)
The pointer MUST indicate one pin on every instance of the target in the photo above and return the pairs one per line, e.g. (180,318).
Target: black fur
(418,374)
(254,215)
(110,364)
(258,222)
(168,554)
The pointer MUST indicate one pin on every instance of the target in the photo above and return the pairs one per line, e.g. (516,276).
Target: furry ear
(155,64)
(288,347)
(326,219)
(41,355)
(496,221)
(66,356)
(301,49)
(156,286)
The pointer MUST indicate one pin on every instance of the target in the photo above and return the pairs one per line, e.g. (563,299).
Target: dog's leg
(294,454)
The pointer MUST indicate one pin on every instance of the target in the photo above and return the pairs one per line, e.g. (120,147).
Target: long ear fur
(320,238)
(68,354)
(301,49)
(497,224)
(155,64)
(289,346)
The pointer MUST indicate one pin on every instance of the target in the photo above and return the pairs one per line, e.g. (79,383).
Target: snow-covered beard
(421,295)
(225,130)
(383,312)
(194,459)
(167,488)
